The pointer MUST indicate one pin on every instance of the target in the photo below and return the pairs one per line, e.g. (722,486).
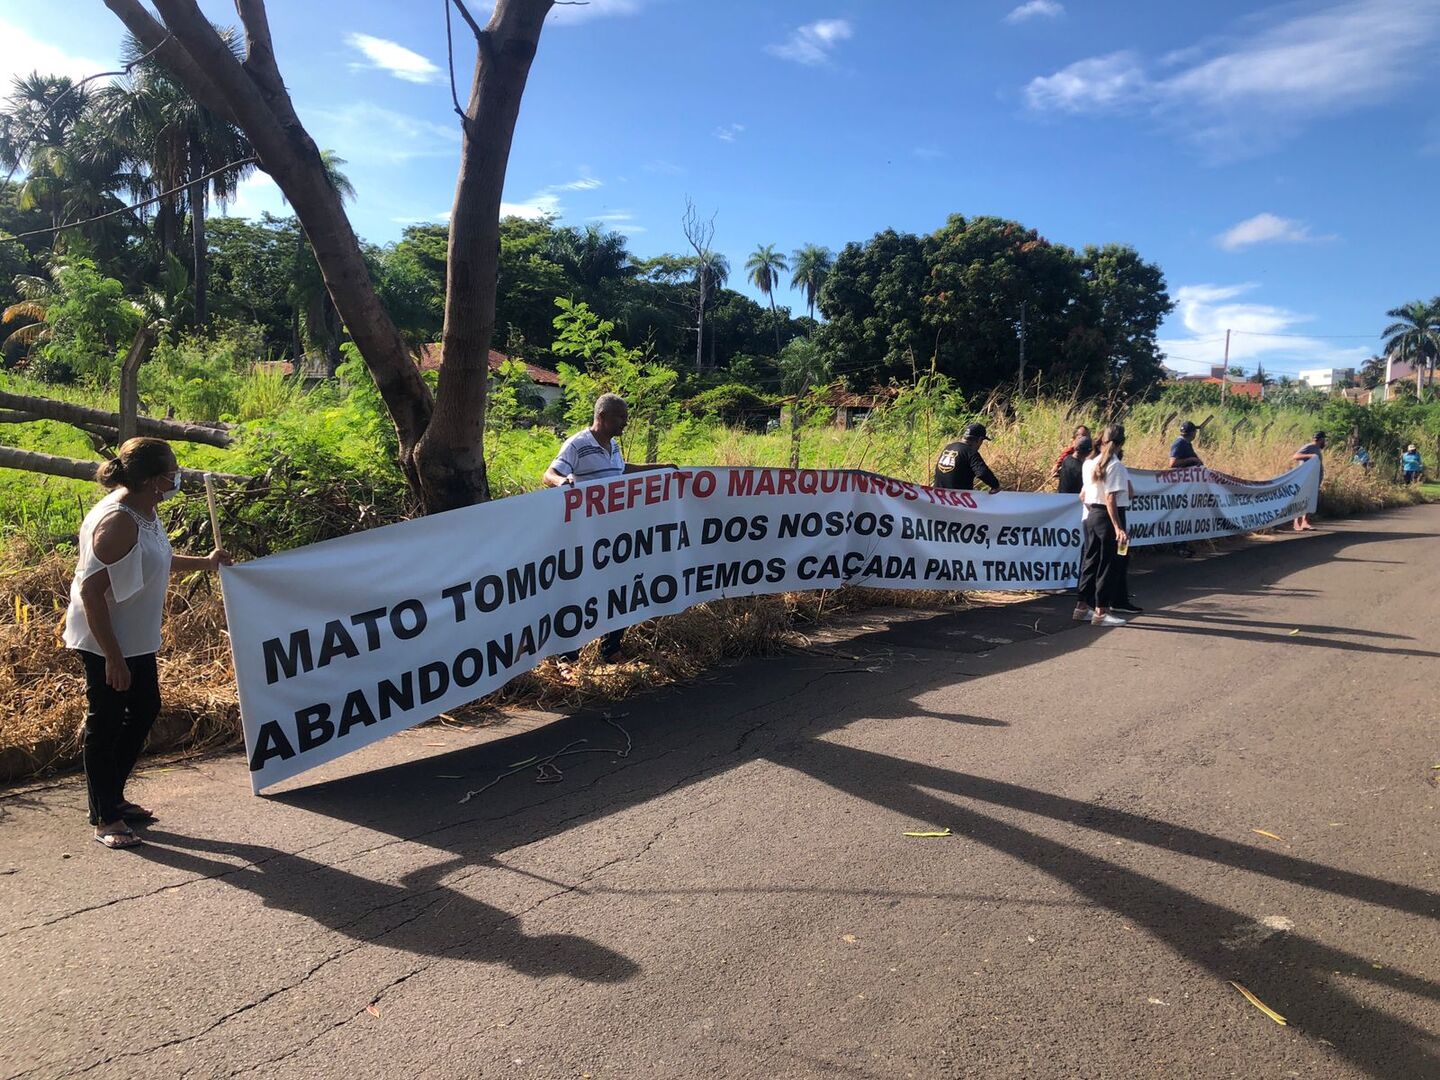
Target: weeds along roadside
(322,471)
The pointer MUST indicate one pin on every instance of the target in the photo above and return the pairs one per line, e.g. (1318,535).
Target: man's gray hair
(609,403)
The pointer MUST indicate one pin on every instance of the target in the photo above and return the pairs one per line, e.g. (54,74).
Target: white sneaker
(1107,620)
(1083,613)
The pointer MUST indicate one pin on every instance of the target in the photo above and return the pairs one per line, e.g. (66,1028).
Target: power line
(134,206)
(1324,337)
(125,71)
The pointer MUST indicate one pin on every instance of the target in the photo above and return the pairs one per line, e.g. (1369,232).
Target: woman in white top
(117,600)
(1106,494)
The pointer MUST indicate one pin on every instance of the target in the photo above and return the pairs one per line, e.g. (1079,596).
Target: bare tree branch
(259,49)
(171,54)
(465,14)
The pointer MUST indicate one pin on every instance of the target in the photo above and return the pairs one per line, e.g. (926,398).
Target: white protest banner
(1178,505)
(342,643)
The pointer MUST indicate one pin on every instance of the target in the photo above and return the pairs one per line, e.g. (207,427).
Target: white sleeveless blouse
(138,581)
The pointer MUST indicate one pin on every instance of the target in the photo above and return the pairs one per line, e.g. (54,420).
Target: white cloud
(585,183)
(1093,85)
(255,195)
(620,220)
(1241,95)
(1267,228)
(364,132)
(541,204)
(813,43)
(929,152)
(664,167)
(1036,9)
(546,202)
(21,53)
(728,132)
(391,56)
(1260,333)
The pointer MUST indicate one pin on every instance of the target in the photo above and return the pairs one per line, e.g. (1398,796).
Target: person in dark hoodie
(1072,466)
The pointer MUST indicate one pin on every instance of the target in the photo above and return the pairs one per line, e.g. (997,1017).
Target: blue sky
(1279,161)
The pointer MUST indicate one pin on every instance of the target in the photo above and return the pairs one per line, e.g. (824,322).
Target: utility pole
(1022,346)
(1225,369)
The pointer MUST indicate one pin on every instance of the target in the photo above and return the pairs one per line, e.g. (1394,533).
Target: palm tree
(318,327)
(763,269)
(36,296)
(1415,337)
(172,139)
(593,255)
(811,265)
(44,129)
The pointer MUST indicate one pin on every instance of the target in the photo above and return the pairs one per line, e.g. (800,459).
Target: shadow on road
(420,915)
(777,710)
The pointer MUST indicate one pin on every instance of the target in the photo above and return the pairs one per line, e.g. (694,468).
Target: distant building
(1327,378)
(1233,384)
(1395,371)
(850,409)
(543,381)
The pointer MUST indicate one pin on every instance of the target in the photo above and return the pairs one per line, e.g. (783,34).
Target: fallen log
(78,469)
(109,435)
(66,413)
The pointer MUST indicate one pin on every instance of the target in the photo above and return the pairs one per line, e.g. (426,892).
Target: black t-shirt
(1181,449)
(960,465)
(1072,474)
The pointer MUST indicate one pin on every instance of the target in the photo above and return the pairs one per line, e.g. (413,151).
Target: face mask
(173,490)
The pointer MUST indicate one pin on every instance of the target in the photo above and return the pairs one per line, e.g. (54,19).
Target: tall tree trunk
(775,317)
(449,459)
(253,96)
(197,231)
(140,350)
(700,320)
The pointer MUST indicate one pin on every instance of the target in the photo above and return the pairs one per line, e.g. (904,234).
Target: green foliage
(611,368)
(205,377)
(87,320)
(732,403)
(802,364)
(512,397)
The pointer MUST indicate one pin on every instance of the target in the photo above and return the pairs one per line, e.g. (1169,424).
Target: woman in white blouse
(1106,495)
(117,601)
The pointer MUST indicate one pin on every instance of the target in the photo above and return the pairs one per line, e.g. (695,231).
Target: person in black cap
(1183,456)
(960,463)
(1182,450)
(1072,466)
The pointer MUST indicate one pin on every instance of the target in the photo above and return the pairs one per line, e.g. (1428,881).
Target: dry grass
(42,686)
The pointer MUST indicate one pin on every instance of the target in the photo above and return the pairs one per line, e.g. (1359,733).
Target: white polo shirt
(584,458)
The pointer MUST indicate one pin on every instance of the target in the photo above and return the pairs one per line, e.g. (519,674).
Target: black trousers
(117,722)
(1102,569)
(609,646)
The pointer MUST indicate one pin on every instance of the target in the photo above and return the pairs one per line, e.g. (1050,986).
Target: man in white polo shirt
(594,454)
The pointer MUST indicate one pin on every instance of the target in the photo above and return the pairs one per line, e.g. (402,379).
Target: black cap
(1187,427)
(1319,435)
(976,432)
(1084,446)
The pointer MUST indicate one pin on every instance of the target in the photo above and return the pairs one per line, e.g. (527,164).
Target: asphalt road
(736,897)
